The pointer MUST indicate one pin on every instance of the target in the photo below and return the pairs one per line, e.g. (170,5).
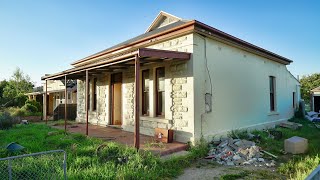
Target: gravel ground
(206,169)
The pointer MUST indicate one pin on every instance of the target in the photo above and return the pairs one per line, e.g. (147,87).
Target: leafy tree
(308,83)
(16,87)
(3,84)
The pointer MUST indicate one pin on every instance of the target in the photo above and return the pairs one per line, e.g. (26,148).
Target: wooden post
(65,103)
(46,103)
(87,103)
(136,104)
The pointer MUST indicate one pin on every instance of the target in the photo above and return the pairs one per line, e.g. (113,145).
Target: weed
(113,161)
(234,176)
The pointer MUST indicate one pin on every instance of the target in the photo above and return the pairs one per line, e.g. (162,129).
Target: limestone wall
(101,115)
(178,94)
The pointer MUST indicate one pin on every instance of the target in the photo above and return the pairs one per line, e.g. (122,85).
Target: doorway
(116,99)
(316,103)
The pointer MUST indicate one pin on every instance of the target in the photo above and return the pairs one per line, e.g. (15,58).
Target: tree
(3,84)
(17,86)
(308,83)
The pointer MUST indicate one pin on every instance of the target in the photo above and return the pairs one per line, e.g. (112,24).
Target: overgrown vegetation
(6,120)
(294,166)
(12,92)
(308,83)
(91,158)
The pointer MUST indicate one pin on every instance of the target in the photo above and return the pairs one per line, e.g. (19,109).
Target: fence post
(65,165)
(9,169)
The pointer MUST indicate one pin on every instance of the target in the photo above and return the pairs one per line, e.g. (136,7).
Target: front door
(116,83)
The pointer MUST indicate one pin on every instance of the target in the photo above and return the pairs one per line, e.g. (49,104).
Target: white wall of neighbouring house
(240,89)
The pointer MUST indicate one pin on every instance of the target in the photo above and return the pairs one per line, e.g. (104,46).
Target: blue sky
(46,36)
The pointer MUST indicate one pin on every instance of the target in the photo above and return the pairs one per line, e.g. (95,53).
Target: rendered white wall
(240,83)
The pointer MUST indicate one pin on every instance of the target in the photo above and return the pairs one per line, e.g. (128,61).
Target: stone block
(296,145)
(179,80)
(179,94)
(177,87)
(163,125)
(149,124)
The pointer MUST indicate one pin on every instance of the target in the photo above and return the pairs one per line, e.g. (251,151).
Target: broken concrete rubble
(233,152)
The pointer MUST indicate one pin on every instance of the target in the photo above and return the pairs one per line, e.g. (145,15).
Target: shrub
(35,103)
(6,121)
(19,112)
(20,100)
(30,108)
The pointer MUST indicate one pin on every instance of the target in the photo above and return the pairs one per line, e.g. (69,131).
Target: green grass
(86,161)
(294,166)
(234,176)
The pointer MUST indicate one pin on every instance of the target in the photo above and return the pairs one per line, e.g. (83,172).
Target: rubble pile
(235,152)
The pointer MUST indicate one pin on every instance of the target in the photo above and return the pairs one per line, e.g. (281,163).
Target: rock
(230,163)
(246,163)
(223,144)
(52,133)
(260,159)
(236,157)
(253,151)
(24,122)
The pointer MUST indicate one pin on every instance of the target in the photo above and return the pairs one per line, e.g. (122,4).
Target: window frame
(145,109)
(272,93)
(293,99)
(158,113)
(94,93)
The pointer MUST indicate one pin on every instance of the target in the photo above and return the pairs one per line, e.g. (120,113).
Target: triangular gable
(161,20)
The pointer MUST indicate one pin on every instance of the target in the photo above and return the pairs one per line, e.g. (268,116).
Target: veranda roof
(121,62)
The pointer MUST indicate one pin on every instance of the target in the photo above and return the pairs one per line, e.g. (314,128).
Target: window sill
(273,113)
(155,119)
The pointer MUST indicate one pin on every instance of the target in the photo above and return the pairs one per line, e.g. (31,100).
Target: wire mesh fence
(42,165)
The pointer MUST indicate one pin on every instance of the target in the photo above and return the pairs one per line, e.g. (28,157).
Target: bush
(6,121)
(18,112)
(30,108)
(35,103)
(20,100)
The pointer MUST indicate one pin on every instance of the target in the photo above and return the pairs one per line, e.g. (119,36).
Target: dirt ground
(208,169)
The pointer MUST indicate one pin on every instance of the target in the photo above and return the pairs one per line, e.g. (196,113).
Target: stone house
(189,77)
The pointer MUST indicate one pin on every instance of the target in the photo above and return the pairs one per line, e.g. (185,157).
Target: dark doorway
(116,99)
(316,103)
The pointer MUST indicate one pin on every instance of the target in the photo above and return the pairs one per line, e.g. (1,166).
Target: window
(94,94)
(293,99)
(89,95)
(160,91)
(69,95)
(272,84)
(145,92)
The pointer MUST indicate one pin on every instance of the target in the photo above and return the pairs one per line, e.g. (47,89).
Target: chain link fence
(42,165)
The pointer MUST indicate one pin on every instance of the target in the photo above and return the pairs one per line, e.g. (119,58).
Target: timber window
(145,92)
(160,91)
(89,95)
(94,94)
(272,84)
(293,99)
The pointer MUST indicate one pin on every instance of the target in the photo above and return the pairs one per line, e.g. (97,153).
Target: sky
(44,37)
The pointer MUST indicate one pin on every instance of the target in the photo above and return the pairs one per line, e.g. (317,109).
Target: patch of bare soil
(208,169)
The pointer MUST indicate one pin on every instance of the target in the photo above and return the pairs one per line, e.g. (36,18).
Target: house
(315,99)
(56,98)
(187,76)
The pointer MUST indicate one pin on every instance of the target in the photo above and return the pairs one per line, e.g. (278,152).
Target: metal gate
(42,165)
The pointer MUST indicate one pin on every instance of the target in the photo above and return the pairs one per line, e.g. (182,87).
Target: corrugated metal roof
(164,28)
